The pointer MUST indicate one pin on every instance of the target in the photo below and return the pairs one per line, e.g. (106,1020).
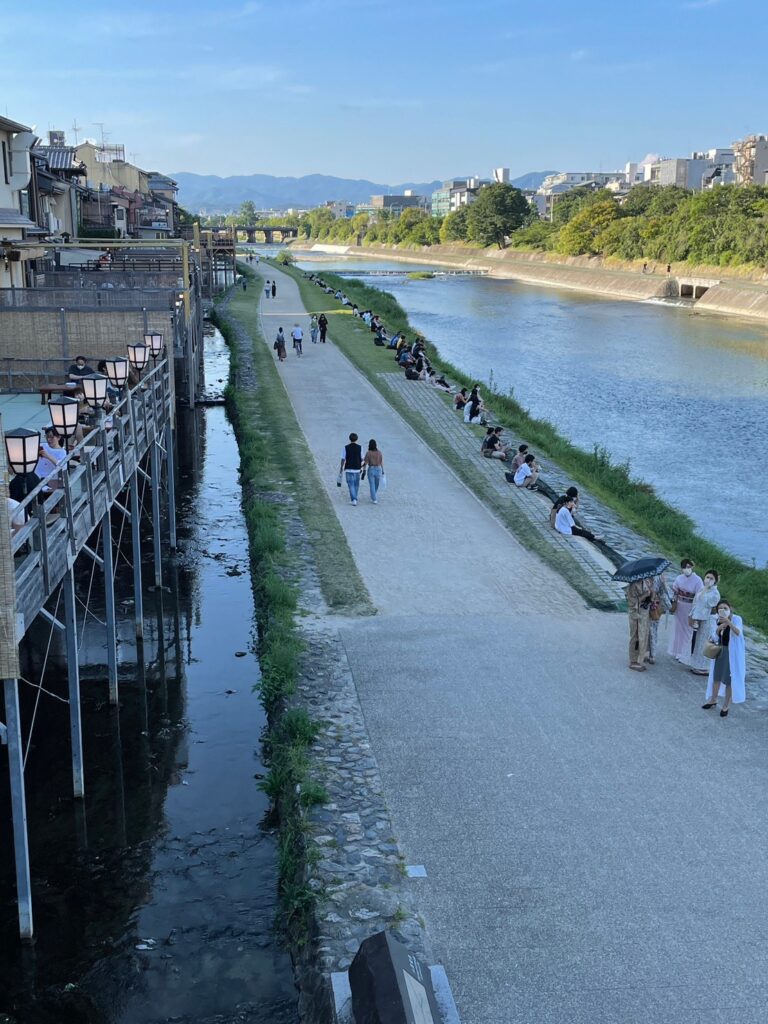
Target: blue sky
(389,90)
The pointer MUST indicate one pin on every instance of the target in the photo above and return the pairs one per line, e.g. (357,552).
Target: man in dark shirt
(351,466)
(79,368)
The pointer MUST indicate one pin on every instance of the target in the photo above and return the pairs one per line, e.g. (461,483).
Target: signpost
(390,985)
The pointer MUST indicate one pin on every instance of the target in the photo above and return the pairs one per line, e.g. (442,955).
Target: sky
(388,90)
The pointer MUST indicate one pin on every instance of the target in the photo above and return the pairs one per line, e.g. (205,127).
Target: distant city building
(456,193)
(751,160)
(501,175)
(697,172)
(557,185)
(396,204)
(340,208)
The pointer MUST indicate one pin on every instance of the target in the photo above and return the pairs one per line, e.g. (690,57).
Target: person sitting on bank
(566,524)
(79,369)
(571,493)
(519,459)
(528,473)
(460,400)
(492,445)
(473,410)
(411,373)
(444,385)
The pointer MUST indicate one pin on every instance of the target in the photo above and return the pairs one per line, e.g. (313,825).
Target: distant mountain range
(208,192)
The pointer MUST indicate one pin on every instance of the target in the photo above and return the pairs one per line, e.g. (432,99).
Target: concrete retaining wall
(579,273)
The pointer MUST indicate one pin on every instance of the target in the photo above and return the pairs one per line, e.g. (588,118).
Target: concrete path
(594,842)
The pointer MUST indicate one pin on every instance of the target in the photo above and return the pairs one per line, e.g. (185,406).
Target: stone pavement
(437,413)
(594,841)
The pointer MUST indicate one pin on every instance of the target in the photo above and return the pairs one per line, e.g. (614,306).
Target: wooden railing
(86,484)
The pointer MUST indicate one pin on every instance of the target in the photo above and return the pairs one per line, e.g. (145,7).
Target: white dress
(704,604)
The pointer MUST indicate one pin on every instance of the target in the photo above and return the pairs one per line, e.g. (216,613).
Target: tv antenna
(100,126)
(76,129)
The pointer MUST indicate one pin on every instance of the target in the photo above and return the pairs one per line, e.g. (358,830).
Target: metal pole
(138,601)
(155,472)
(170,468)
(109,593)
(19,807)
(73,679)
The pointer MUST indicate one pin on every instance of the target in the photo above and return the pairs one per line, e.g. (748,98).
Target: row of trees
(726,225)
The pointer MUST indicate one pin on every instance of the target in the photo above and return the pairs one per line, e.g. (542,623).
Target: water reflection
(155,898)
(682,396)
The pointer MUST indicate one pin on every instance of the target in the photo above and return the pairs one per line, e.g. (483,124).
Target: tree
(454,227)
(577,199)
(247,213)
(580,234)
(498,210)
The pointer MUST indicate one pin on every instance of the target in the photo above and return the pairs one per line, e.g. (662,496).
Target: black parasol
(640,569)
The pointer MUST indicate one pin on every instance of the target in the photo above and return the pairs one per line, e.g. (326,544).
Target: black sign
(390,985)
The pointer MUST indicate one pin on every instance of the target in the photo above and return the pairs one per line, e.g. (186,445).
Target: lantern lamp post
(64,412)
(22,447)
(154,343)
(117,371)
(94,387)
(138,356)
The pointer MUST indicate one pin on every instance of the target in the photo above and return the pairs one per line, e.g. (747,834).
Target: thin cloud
(578,55)
(700,5)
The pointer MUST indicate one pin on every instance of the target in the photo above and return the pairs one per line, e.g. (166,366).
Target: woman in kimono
(659,605)
(685,587)
(727,672)
(702,609)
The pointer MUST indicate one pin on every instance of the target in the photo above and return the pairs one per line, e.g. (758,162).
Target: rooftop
(6,125)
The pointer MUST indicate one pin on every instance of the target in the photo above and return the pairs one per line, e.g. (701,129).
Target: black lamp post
(154,343)
(64,412)
(22,448)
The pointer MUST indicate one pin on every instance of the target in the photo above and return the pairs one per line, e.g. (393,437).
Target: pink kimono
(684,589)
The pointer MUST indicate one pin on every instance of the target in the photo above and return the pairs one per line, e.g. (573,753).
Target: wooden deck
(90,481)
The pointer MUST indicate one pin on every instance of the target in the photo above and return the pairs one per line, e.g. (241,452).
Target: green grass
(668,529)
(286,463)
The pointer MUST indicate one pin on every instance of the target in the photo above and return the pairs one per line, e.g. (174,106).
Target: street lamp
(117,371)
(155,343)
(138,356)
(64,412)
(22,446)
(94,387)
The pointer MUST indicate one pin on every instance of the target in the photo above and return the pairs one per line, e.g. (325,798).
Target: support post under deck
(155,471)
(73,681)
(109,604)
(18,807)
(138,607)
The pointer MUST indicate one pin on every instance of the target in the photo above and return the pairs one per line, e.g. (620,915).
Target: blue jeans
(374,479)
(353,483)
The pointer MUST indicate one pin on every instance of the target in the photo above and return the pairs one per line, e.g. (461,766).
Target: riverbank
(634,501)
(561,811)
(708,288)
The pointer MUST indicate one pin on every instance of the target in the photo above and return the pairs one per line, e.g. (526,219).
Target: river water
(683,397)
(155,900)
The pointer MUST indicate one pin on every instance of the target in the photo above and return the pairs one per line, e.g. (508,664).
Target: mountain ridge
(214,194)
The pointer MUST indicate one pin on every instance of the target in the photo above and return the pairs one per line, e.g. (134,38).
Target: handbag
(338,479)
(383,482)
(712,650)
(673,606)
(656,611)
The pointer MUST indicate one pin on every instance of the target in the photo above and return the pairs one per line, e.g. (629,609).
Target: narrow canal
(156,900)
(681,396)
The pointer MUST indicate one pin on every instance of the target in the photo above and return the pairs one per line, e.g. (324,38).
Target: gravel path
(594,842)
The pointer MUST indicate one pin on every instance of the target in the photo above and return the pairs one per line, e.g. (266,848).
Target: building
(695,173)
(341,209)
(557,185)
(501,175)
(18,230)
(456,193)
(396,204)
(751,160)
(57,173)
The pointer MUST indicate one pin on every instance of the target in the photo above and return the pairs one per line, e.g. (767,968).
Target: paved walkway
(594,842)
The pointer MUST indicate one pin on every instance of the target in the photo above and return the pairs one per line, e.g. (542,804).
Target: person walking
(727,672)
(244,283)
(298,338)
(351,466)
(279,345)
(373,465)
(639,597)
(323,325)
(685,587)
(313,328)
(266,290)
(274,290)
(704,604)
(659,605)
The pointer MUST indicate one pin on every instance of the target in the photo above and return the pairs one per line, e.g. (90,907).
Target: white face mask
(724,612)
(687,571)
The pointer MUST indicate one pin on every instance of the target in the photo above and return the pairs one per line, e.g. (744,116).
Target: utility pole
(76,129)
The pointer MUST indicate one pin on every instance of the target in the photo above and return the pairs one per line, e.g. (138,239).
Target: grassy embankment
(274,461)
(636,502)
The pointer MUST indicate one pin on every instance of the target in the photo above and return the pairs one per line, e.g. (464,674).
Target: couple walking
(354,467)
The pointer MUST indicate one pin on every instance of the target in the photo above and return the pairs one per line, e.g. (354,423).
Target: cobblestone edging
(356,868)
(353,861)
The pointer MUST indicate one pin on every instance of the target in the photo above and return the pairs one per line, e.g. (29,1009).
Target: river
(682,397)
(155,898)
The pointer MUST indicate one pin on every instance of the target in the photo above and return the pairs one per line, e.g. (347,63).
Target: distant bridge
(252,230)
